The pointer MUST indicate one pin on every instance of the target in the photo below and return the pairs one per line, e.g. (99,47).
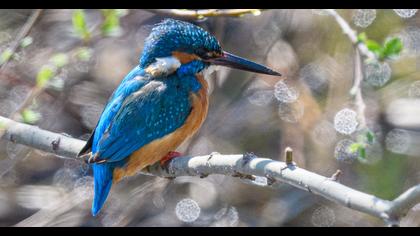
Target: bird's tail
(102,174)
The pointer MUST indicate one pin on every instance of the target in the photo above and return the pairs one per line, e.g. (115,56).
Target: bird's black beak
(233,61)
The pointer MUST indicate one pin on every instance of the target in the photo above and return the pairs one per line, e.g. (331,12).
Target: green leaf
(84,53)
(44,75)
(362,37)
(370,136)
(29,116)
(362,152)
(355,147)
(392,48)
(80,25)
(373,46)
(111,24)
(6,55)
(26,42)
(60,60)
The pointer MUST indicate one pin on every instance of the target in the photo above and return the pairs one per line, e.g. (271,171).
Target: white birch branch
(236,165)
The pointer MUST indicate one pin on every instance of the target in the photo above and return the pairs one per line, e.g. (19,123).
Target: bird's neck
(191,69)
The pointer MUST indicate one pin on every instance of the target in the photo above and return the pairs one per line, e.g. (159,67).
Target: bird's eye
(208,55)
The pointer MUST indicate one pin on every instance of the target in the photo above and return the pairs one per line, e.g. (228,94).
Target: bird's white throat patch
(167,65)
(163,66)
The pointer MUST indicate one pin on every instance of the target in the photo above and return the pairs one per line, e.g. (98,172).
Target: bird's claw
(166,159)
(89,158)
(202,176)
(270,180)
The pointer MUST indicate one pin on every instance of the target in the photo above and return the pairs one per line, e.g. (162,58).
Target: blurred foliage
(29,116)
(44,75)
(363,141)
(84,53)
(6,55)
(80,26)
(26,42)
(59,60)
(111,23)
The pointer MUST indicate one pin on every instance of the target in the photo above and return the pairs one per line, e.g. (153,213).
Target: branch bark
(240,165)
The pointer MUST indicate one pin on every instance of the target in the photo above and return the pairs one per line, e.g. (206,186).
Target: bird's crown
(174,35)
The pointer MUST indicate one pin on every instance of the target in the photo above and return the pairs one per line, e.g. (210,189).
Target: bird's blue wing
(157,108)
(131,83)
(103,176)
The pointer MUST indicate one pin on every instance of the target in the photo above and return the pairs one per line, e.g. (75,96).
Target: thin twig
(352,35)
(361,50)
(22,34)
(390,211)
(356,90)
(200,14)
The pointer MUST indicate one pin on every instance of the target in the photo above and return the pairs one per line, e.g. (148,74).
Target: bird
(159,104)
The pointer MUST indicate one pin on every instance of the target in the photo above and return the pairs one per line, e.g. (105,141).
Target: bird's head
(174,43)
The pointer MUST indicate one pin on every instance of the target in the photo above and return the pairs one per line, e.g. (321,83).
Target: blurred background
(79,57)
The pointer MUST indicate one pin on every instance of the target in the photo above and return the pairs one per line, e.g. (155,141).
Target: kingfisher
(158,105)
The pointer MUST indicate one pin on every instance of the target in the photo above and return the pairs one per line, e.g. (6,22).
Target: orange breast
(157,149)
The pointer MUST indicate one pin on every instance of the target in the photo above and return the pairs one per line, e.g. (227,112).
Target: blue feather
(102,174)
(129,85)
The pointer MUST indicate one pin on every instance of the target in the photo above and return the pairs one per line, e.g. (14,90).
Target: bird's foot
(89,158)
(171,155)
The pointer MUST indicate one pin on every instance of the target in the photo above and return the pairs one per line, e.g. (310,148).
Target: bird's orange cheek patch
(185,57)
